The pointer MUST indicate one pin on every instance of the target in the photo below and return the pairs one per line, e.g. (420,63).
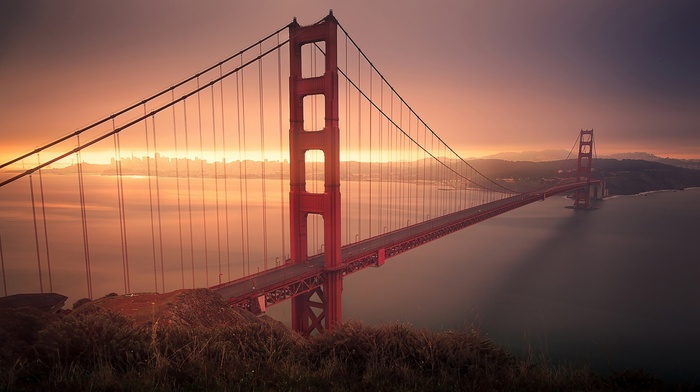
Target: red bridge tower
(322,312)
(582,197)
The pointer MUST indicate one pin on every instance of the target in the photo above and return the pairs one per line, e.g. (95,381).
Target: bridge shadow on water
(595,287)
(598,292)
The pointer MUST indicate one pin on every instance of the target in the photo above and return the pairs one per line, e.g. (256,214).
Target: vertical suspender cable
(156,155)
(399,172)
(460,186)
(448,182)
(399,177)
(262,158)
(177,190)
(395,168)
(369,222)
(444,180)
(245,169)
(150,202)
(416,170)
(462,176)
(46,230)
(469,190)
(453,174)
(448,185)
(425,144)
(381,158)
(279,88)
(347,148)
(189,191)
(216,183)
(359,148)
(456,198)
(431,212)
(409,172)
(414,175)
(83,215)
(120,197)
(223,147)
(123,217)
(201,167)
(2,263)
(36,235)
(240,174)
(408,155)
(402,159)
(438,182)
(392,159)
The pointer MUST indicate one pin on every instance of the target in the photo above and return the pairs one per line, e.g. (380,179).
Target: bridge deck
(283,282)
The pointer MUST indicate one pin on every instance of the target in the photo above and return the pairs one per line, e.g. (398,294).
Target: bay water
(614,288)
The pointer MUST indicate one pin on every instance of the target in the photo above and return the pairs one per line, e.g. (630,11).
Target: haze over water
(615,287)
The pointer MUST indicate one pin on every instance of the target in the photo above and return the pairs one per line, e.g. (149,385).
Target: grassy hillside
(95,348)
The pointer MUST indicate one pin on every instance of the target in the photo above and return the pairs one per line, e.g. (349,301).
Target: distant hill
(641,156)
(557,155)
(645,156)
(623,177)
(632,176)
(530,156)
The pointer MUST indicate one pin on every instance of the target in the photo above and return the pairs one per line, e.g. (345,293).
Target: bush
(81,302)
(91,337)
(95,349)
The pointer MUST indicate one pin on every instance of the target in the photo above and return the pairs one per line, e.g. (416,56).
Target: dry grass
(95,349)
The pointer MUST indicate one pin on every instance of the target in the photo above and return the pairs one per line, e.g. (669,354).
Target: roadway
(265,281)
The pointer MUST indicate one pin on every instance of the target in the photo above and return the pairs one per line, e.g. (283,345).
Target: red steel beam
(316,277)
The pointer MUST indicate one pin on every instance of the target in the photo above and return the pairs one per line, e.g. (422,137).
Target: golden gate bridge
(206,184)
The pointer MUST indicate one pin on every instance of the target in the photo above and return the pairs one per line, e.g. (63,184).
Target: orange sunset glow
(349,195)
(487,78)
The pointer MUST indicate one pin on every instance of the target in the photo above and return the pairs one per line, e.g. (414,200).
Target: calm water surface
(615,287)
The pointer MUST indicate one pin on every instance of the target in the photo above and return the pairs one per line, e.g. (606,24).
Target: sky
(487,76)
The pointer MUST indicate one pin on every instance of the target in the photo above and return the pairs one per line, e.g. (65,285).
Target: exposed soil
(188,308)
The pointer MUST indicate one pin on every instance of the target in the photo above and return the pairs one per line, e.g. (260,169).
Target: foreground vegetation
(96,349)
